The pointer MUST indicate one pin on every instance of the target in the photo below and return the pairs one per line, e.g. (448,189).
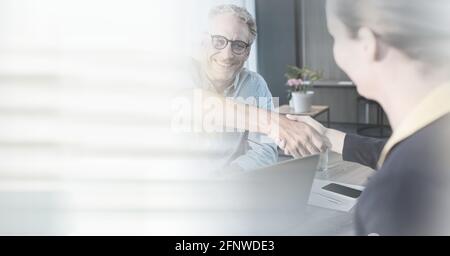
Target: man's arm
(299,138)
(263,151)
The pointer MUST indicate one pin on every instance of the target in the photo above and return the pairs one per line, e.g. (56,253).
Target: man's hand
(309,121)
(297,137)
(334,138)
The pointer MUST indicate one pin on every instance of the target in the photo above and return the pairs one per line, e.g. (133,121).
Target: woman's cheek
(339,56)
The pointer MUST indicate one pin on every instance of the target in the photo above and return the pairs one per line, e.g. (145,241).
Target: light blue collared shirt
(248,150)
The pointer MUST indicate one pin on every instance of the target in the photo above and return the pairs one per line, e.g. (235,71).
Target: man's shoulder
(253,80)
(254,76)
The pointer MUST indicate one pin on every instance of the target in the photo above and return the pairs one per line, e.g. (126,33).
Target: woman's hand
(297,138)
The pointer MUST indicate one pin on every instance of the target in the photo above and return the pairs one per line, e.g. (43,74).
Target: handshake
(301,136)
(298,136)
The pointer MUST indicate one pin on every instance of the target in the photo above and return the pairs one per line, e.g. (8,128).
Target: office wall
(286,37)
(276,42)
(317,43)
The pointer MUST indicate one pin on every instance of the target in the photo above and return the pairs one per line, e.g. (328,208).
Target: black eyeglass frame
(233,42)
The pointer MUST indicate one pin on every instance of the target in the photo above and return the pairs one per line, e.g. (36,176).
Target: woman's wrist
(336,139)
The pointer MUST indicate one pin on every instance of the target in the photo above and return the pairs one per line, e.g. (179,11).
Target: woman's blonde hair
(419,28)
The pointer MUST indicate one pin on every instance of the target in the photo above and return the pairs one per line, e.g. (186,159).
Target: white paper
(327,199)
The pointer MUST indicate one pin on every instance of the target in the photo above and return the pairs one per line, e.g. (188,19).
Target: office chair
(377,130)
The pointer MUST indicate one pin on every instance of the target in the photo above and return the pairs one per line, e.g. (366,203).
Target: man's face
(225,64)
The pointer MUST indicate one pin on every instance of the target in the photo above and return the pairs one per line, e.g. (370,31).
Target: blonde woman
(398,53)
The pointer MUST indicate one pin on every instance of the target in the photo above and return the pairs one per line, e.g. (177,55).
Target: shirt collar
(236,81)
(435,105)
(233,87)
(210,86)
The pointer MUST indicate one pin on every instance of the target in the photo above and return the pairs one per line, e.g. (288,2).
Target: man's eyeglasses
(237,46)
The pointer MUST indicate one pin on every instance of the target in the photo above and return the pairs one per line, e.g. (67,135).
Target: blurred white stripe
(85,91)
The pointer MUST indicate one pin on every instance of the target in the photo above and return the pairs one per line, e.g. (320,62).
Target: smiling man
(225,49)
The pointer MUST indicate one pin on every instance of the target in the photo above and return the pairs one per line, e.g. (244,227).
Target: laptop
(266,201)
(284,186)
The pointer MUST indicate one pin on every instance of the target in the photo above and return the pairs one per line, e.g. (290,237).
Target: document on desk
(331,200)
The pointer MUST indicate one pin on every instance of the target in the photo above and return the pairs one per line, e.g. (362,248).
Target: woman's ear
(368,43)
(371,45)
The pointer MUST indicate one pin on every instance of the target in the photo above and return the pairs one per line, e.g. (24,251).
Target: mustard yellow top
(434,106)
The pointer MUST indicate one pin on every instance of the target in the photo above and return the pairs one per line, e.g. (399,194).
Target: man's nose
(226,52)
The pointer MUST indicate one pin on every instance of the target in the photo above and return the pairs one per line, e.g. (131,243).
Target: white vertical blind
(85,76)
(85,90)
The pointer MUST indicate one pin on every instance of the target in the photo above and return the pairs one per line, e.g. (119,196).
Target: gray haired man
(226,48)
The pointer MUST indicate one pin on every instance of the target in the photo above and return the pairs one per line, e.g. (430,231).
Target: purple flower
(290,82)
(294,82)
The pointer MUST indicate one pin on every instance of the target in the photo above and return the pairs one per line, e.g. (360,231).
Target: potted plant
(299,82)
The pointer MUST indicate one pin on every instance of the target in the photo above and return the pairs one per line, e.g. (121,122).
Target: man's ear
(372,47)
(247,52)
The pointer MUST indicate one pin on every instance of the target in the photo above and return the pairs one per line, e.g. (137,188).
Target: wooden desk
(322,221)
(95,209)
(316,110)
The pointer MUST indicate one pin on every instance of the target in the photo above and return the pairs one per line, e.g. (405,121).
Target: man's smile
(225,65)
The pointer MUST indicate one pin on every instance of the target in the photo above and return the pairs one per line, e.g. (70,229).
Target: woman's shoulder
(424,150)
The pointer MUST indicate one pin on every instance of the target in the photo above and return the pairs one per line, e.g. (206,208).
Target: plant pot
(291,103)
(302,101)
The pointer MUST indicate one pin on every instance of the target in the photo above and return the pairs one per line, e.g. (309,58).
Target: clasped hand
(299,136)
